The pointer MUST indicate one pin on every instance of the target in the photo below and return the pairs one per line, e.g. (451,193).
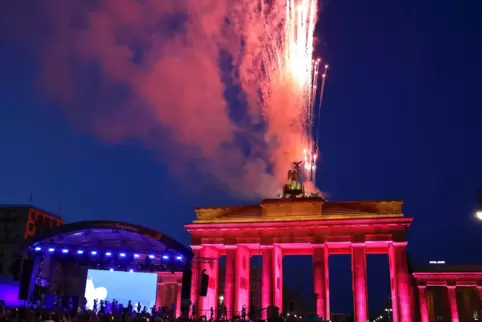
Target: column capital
(421,287)
(451,287)
(399,243)
(319,245)
(355,244)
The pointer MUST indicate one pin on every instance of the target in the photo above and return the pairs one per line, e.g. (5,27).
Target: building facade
(18,223)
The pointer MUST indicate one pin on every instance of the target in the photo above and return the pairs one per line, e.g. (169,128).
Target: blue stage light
(131,270)
(65,251)
(151,256)
(122,254)
(51,250)
(93,252)
(136,255)
(165,257)
(80,252)
(179,258)
(111,270)
(108,254)
(37,249)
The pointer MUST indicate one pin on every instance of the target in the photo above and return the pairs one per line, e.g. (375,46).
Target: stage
(108,261)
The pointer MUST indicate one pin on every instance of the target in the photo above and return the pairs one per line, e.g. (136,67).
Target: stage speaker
(203,288)
(27,269)
(15,269)
(186,283)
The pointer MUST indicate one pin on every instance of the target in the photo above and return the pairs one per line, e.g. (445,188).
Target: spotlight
(93,252)
(136,255)
(51,250)
(165,257)
(37,249)
(111,270)
(80,252)
(108,254)
(151,256)
(131,270)
(122,254)
(179,258)
(65,251)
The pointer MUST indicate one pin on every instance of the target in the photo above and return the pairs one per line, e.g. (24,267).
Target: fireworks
(292,82)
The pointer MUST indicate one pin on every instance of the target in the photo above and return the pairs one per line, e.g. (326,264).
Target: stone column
(393,283)
(479,290)
(402,279)
(165,295)
(159,294)
(359,282)
(321,285)
(453,303)
(229,280)
(278,277)
(241,282)
(267,281)
(423,304)
(209,264)
(195,274)
(430,304)
(178,300)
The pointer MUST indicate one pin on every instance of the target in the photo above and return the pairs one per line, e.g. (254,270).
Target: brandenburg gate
(300,226)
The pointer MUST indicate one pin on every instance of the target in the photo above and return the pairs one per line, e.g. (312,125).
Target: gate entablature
(300,209)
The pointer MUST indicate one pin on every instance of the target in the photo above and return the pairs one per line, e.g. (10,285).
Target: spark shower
(289,78)
(149,72)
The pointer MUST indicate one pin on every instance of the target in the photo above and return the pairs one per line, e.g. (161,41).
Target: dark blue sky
(401,119)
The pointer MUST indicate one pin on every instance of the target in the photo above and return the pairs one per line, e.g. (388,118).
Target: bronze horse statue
(294,187)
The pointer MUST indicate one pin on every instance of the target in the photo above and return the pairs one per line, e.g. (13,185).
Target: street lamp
(478,213)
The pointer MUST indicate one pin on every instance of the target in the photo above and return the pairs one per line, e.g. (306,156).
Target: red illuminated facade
(302,226)
(169,291)
(451,292)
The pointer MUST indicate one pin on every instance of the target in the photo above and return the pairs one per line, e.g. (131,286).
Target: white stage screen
(121,286)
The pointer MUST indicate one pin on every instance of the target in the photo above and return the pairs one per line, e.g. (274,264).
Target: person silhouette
(194,311)
(129,307)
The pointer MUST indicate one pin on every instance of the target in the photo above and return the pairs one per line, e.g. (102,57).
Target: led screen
(121,286)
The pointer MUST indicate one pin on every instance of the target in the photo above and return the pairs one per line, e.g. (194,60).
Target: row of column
(237,280)
(400,282)
(169,293)
(452,297)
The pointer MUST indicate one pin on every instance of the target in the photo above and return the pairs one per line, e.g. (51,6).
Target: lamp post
(478,213)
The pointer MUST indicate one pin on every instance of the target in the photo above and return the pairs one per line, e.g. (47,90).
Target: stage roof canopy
(110,235)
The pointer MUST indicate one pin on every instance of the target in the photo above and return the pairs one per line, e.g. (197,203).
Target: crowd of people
(105,312)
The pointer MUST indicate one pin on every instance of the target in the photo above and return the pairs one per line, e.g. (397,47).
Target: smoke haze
(152,71)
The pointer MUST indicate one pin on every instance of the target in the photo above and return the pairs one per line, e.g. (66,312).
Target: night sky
(402,119)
